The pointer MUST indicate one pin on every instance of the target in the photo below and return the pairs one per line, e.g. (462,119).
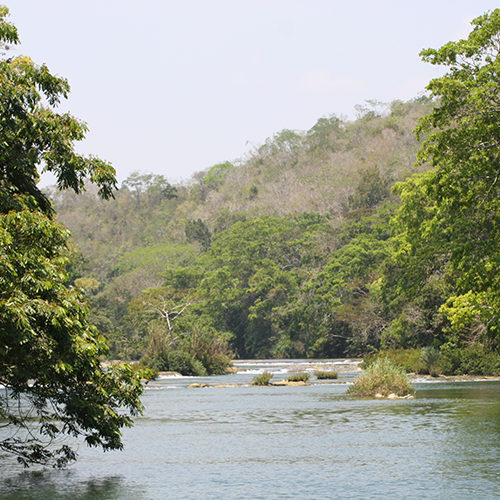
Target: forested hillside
(328,170)
(293,197)
(330,242)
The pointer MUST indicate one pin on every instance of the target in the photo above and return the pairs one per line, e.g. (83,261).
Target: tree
(371,189)
(285,141)
(53,382)
(179,336)
(250,278)
(198,232)
(139,184)
(216,175)
(35,135)
(167,305)
(324,133)
(340,309)
(449,215)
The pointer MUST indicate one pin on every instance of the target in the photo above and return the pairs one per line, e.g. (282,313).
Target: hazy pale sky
(175,86)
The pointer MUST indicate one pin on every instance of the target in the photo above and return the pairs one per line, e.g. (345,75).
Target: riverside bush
(323,375)
(188,363)
(382,377)
(410,360)
(262,379)
(185,364)
(430,357)
(475,359)
(217,364)
(298,377)
(471,360)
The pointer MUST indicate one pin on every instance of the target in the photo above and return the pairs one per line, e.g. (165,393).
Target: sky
(173,87)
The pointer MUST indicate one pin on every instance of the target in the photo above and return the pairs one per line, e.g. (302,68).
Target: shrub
(472,360)
(218,364)
(198,369)
(262,379)
(188,363)
(298,377)
(158,363)
(430,358)
(322,375)
(382,377)
(185,363)
(410,360)
(210,347)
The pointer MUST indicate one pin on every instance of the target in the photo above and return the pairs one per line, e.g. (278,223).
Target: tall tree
(449,215)
(53,382)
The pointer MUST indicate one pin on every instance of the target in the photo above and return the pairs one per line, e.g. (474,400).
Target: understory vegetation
(348,238)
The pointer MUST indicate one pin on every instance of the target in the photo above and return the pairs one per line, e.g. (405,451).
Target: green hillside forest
(354,236)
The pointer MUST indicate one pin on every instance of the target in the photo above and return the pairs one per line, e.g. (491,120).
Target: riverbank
(453,378)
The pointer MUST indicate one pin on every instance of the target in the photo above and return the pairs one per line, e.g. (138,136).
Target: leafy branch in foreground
(53,384)
(49,360)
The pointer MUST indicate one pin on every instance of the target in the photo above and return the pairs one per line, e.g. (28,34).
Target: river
(311,442)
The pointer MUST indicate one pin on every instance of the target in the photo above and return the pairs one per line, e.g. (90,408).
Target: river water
(311,442)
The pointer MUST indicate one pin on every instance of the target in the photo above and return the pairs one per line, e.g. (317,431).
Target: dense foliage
(276,284)
(473,359)
(302,248)
(52,381)
(444,274)
(298,377)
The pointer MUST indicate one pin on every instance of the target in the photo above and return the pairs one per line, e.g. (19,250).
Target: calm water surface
(289,442)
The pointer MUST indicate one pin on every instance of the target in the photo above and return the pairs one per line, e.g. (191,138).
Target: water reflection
(65,485)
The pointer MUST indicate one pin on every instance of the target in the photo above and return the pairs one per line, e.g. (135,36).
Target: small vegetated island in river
(394,254)
(382,379)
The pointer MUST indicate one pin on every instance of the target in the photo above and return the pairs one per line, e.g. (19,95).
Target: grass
(262,379)
(382,377)
(298,377)
(323,375)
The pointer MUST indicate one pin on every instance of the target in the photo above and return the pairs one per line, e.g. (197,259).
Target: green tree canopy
(217,174)
(53,382)
(449,216)
(34,136)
